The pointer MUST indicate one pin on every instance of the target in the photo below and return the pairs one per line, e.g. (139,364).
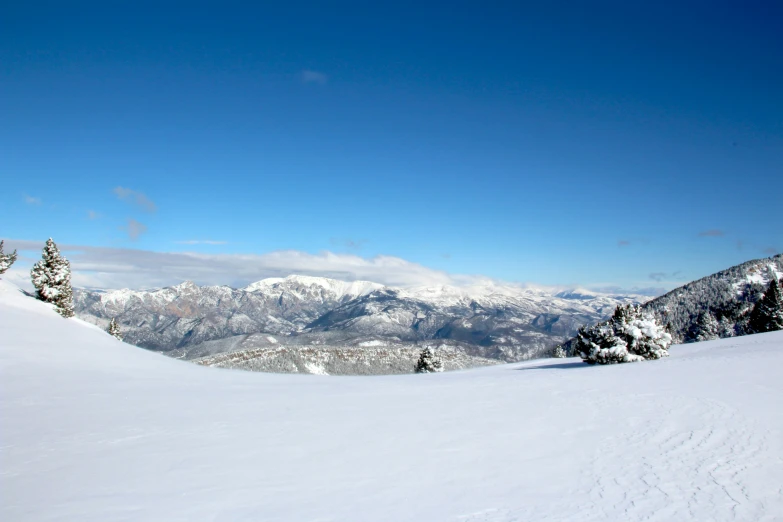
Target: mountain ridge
(724,298)
(487,321)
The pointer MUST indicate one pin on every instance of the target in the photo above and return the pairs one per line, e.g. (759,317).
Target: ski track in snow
(96,430)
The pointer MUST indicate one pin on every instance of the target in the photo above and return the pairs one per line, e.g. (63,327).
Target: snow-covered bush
(629,336)
(51,278)
(6,260)
(767,314)
(558,352)
(428,362)
(114,329)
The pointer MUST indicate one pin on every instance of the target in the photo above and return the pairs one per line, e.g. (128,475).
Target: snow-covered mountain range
(489,321)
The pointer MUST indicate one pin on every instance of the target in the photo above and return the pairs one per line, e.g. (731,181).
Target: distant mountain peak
(336,286)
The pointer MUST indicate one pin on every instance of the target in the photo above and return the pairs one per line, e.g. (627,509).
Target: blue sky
(610,145)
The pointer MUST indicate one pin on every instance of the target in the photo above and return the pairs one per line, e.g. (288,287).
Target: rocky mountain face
(298,313)
(715,306)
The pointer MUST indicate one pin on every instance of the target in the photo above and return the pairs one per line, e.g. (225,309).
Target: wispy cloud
(771,251)
(309,76)
(91,214)
(101,267)
(350,244)
(135,197)
(623,242)
(647,291)
(30,200)
(201,242)
(669,278)
(135,229)
(713,232)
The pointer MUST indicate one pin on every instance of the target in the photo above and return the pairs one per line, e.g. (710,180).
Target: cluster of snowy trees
(630,335)
(767,314)
(719,305)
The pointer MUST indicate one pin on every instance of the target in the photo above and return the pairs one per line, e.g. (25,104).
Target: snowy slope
(96,430)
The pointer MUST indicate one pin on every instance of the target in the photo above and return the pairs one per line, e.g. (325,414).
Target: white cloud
(201,242)
(313,77)
(102,267)
(30,200)
(138,198)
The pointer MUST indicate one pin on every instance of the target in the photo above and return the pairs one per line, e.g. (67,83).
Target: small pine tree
(51,278)
(114,329)
(767,314)
(6,260)
(428,362)
(558,352)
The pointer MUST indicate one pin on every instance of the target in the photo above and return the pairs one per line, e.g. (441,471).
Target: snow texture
(94,430)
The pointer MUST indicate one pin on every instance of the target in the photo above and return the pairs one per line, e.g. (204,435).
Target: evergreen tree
(6,260)
(705,328)
(559,352)
(599,344)
(114,329)
(629,336)
(429,362)
(51,278)
(767,314)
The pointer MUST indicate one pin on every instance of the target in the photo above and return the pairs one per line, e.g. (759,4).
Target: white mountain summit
(308,286)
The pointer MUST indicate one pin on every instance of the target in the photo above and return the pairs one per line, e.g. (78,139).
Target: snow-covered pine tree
(6,260)
(428,362)
(558,352)
(599,344)
(767,314)
(706,328)
(114,329)
(51,278)
(643,334)
(629,336)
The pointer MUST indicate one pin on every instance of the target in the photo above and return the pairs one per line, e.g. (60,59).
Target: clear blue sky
(555,142)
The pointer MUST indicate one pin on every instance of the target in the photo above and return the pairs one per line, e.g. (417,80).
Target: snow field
(92,429)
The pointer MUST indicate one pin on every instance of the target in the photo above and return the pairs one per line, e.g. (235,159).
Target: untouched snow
(94,430)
